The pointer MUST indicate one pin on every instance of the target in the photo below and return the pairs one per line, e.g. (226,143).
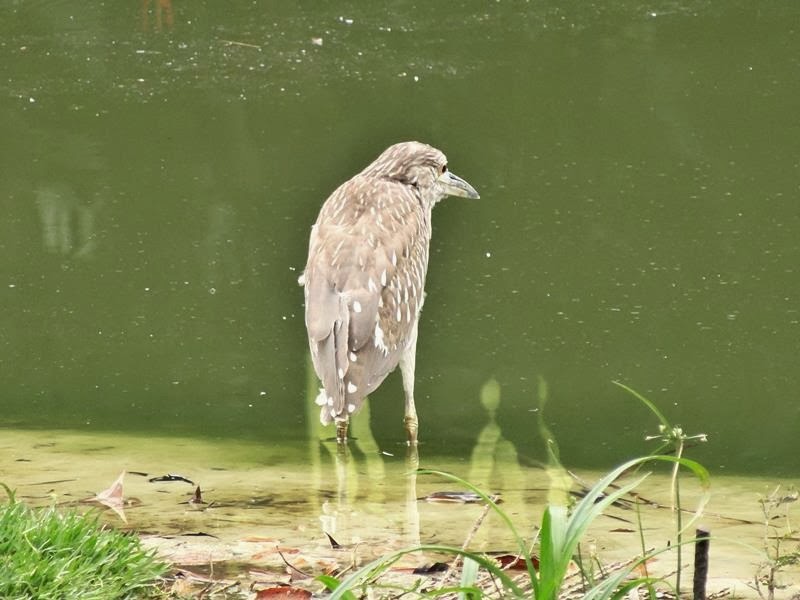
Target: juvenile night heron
(365,277)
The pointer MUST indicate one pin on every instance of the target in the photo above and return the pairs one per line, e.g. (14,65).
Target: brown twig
(478,522)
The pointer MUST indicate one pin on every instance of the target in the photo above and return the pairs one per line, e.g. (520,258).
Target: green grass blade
(653,408)
(331,583)
(380,565)
(521,546)
(469,574)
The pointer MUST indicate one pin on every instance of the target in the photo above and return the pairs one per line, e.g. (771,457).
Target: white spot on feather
(352,388)
(357,306)
(341,373)
(351,408)
(353,357)
(321,399)
(383,278)
(379,339)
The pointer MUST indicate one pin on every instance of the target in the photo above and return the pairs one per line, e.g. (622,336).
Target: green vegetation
(554,546)
(781,549)
(45,553)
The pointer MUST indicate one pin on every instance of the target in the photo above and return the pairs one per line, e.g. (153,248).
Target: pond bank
(257,510)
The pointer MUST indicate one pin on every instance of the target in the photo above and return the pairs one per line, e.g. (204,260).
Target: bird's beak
(455,186)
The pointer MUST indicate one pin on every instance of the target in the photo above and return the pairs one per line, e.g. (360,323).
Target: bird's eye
(443,170)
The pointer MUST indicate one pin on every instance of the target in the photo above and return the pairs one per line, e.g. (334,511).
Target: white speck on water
(488,255)
(262,393)
(212,291)
(12,285)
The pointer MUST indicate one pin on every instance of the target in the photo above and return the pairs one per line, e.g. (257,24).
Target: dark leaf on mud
(283,592)
(53,481)
(170,477)
(197,498)
(334,544)
(199,534)
(455,498)
(437,567)
(622,530)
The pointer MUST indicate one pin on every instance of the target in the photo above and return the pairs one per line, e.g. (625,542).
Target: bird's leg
(341,431)
(407,364)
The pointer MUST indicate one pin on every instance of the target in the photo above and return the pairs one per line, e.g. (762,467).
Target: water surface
(638,172)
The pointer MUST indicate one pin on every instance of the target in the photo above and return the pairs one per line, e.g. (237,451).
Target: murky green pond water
(638,166)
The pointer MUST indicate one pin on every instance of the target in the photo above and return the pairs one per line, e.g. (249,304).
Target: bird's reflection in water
(356,482)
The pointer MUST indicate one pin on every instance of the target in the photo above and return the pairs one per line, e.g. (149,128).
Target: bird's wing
(363,254)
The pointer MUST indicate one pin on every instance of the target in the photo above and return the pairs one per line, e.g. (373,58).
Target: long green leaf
(594,503)
(649,404)
(382,564)
(469,574)
(521,546)
(332,583)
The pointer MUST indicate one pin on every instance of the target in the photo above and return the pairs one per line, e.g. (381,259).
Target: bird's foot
(341,432)
(411,431)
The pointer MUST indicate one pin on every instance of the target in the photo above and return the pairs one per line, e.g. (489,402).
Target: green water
(638,167)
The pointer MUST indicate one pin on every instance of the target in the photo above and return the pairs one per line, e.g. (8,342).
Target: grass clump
(45,553)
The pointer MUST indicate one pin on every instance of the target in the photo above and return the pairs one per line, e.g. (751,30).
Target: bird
(364,281)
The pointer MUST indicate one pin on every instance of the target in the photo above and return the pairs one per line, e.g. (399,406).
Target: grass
(557,540)
(45,553)
(781,549)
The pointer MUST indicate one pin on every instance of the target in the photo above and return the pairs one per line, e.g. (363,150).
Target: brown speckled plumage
(365,276)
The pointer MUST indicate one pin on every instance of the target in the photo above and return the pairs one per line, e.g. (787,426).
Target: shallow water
(256,505)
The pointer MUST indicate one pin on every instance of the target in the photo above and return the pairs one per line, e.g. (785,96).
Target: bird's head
(421,166)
